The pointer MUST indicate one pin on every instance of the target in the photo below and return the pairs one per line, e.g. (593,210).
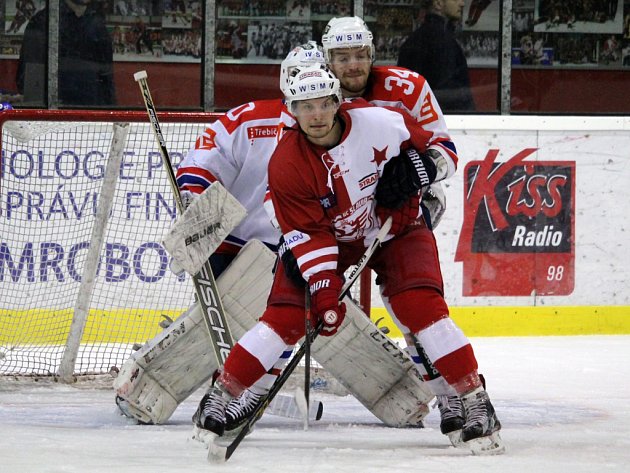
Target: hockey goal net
(83,275)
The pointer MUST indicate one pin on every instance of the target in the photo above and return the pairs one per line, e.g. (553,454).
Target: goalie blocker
(179,360)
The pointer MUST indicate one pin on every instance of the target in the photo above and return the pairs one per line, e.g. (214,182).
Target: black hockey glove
(403,176)
(291,268)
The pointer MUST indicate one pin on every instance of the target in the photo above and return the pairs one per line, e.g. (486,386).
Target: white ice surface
(564,403)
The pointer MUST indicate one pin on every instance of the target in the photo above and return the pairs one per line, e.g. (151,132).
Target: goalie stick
(219,453)
(205,284)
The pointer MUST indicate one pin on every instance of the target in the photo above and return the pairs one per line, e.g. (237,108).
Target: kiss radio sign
(518,235)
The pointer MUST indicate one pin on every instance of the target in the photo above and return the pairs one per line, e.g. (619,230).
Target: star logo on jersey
(206,140)
(380,156)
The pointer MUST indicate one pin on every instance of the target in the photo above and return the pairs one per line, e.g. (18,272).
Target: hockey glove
(291,268)
(434,200)
(325,288)
(401,217)
(403,176)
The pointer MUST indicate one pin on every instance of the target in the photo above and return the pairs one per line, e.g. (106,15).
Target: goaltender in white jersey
(235,151)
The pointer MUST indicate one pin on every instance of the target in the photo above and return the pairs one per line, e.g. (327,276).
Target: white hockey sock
(265,382)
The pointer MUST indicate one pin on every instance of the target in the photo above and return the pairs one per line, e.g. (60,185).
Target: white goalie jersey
(235,151)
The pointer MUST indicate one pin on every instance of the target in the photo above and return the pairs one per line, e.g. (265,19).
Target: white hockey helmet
(347,32)
(303,55)
(311,82)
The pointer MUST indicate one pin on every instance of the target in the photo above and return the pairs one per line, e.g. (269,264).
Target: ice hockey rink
(564,403)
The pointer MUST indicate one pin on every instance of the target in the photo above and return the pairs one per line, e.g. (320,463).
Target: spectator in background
(85,57)
(433,51)
(142,36)
(24,10)
(475,10)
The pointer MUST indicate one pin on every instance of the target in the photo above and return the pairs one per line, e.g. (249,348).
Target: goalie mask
(311,82)
(348,32)
(307,54)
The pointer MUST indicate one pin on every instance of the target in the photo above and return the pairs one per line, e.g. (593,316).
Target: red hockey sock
(241,370)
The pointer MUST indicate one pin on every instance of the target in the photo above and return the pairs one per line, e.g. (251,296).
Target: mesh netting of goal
(53,167)
(52,171)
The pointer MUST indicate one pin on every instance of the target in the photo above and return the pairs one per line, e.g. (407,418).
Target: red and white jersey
(324,196)
(235,151)
(392,86)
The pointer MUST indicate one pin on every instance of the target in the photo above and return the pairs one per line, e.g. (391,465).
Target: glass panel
(101,44)
(454,44)
(252,39)
(571,57)
(163,37)
(568,57)
(25,81)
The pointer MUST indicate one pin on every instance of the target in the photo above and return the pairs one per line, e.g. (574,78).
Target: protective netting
(51,178)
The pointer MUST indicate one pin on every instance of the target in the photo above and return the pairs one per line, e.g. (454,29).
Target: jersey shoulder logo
(206,140)
(427,111)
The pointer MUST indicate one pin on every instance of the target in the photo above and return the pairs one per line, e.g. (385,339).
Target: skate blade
(489,445)
(456,438)
(216,453)
(231,434)
(203,436)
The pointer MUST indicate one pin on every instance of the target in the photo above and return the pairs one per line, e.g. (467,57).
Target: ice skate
(481,428)
(452,418)
(239,410)
(209,418)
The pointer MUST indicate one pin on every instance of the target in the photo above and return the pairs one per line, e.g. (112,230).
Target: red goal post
(53,179)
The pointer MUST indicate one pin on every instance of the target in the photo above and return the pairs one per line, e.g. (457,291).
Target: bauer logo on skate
(518,232)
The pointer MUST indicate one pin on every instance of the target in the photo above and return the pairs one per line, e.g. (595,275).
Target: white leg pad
(177,361)
(374,369)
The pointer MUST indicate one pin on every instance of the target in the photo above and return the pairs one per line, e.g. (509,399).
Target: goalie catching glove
(325,288)
(407,173)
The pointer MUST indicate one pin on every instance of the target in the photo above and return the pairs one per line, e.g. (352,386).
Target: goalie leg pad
(374,369)
(177,361)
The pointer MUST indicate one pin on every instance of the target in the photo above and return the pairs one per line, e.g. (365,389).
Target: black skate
(239,410)
(452,418)
(209,418)
(481,429)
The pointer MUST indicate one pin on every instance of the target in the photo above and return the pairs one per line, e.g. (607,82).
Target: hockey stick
(219,453)
(307,352)
(205,284)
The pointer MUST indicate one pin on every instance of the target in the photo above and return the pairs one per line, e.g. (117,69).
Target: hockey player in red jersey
(328,178)
(349,52)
